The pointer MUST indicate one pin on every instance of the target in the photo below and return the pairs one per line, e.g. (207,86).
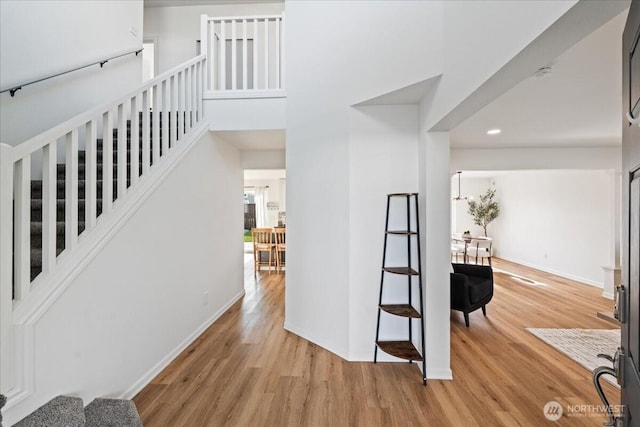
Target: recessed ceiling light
(493,131)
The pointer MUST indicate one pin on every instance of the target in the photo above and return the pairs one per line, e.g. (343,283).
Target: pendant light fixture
(458,197)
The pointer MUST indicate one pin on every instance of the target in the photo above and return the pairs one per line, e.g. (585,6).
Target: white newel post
(204,46)
(6,267)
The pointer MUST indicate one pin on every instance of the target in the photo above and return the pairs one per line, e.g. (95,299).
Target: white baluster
(91,175)
(202,66)
(146,155)
(166,111)
(188,98)
(174,111)
(244,54)
(234,56)
(155,125)
(256,47)
(194,93)
(282,53)
(134,146)
(181,91)
(49,208)
(122,151)
(22,228)
(222,69)
(71,191)
(277,64)
(266,53)
(107,162)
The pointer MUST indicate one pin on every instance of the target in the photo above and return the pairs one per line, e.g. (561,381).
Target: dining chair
(262,242)
(280,234)
(457,248)
(480,248)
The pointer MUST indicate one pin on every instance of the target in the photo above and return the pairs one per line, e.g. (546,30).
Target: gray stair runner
(66,411)
(61,411)
(112,413)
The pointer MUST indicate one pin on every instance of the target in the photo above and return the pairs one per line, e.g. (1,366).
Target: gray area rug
(583,345)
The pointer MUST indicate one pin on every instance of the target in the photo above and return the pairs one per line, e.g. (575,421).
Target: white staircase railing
(157,116)
(246,53)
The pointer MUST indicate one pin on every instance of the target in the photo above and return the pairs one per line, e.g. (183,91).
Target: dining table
(466,239)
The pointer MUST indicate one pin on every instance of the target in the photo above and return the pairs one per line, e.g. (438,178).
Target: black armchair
(471,288)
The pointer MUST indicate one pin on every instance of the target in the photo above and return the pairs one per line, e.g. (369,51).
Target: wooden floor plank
(246,370)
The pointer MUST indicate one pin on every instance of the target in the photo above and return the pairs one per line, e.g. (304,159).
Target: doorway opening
(265,205)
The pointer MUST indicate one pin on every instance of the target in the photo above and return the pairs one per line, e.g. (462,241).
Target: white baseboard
(440,375)
(165,361)
(552,271)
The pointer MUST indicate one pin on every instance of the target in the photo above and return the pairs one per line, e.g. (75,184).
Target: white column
(435,207)
(612,271)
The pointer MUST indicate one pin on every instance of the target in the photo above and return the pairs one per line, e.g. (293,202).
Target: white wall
(178,28)
(264,159)
(383,159)
(471,187)
(372,48)
(39,38)
(557,221)
(143,296)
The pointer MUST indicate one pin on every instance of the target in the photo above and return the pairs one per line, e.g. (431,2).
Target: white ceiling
(255,140)
(579,104)
(166,3)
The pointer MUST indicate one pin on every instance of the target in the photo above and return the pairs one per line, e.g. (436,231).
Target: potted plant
(484,211)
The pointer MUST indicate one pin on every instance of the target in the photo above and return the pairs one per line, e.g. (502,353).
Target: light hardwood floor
(245,370)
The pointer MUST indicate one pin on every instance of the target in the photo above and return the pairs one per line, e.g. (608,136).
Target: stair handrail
(13,89)
(38,141)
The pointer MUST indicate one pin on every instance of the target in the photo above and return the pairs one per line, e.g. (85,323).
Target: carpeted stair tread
(36,188)
(81,171)
(99,156)
(36,260)
(61,411)
(36,209)
(112,413)
(36,233)
(3,401)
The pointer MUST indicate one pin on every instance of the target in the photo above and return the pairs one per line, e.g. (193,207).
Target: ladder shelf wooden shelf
(404,349)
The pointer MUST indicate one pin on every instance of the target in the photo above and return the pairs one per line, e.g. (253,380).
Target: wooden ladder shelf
(404,349)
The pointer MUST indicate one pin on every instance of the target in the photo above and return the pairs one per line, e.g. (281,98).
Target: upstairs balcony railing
(245,54)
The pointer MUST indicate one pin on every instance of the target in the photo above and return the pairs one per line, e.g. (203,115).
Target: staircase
(63,193)
(66,411)
(36,190)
